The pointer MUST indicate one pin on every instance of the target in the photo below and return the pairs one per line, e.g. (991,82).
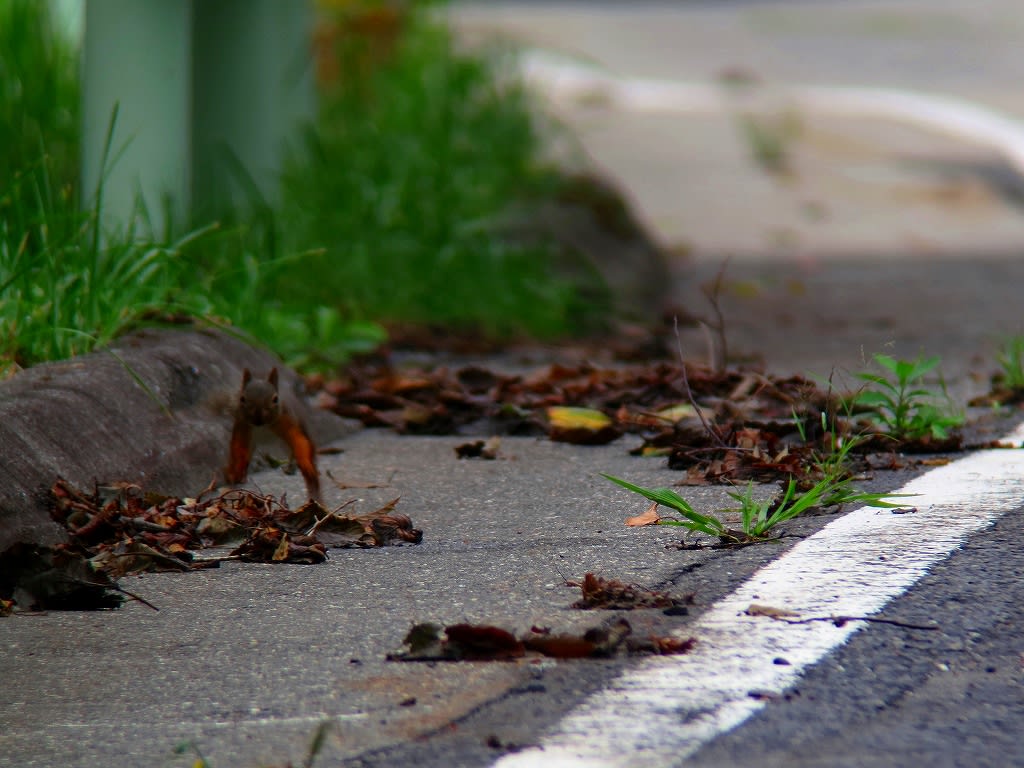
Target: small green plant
(757,517)
(1011,362)
(900,405)
(190,746)
(832,461)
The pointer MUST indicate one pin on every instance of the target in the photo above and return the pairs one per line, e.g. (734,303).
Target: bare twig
(713,294)
(116,588)
(214,482)
(839,621)
(689,392)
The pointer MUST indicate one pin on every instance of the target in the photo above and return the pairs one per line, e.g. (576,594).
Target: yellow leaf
(564,417)
(582,426)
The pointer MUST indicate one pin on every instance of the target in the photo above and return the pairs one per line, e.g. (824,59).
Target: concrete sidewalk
(853,185)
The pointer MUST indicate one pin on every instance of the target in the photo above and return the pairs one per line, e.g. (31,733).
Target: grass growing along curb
(392,210)
(39,93)
(404,183)
(899,404)
(65,286)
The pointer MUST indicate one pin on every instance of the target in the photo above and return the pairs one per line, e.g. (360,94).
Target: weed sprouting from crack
(901,406)
(757,517)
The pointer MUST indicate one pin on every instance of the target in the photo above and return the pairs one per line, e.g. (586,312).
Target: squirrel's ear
(246,377)
(272,378)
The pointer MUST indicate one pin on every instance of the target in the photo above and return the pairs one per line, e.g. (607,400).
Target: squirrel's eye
(274,400)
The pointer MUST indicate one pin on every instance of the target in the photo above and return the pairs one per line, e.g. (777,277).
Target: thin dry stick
(116,588)
(689,392)
(712,295)
(841,620)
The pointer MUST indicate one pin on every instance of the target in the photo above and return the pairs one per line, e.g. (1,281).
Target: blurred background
(844,176)
(790,175)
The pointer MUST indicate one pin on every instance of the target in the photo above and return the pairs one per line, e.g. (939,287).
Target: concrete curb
(89,420)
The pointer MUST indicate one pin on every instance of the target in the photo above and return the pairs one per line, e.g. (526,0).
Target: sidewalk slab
(856,185)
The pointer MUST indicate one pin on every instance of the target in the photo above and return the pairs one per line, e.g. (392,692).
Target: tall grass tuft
(404,183)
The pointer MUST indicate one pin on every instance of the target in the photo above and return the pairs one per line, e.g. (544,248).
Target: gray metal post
(197,82)
(137,57)
(253,87)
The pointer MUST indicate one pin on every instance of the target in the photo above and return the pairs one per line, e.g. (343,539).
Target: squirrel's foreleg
(303,450)
(240,452)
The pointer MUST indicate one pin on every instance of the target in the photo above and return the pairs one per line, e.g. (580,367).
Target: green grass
(39,106)
(393,204)
(757,517)
(65,286)
(403,185)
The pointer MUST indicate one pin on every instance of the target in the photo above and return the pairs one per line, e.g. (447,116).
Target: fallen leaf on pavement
(609,594)
(582,426)
(599,641)
(479,449)
(39,578)
(650,517)
(660,645)
(462,642)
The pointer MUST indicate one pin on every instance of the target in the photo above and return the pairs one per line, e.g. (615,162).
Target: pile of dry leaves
(478,400)
(719,426)
(483,642)
(118,530)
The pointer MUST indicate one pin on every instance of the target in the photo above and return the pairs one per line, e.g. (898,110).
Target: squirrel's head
(259,400)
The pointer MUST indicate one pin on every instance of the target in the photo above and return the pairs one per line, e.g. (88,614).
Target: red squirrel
(259,405)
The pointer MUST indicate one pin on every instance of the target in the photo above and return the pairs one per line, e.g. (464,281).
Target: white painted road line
(667,708)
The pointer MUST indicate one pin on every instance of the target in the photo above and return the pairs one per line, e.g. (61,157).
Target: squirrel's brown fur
(259,405)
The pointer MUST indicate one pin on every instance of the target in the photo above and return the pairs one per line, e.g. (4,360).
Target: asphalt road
(245,661)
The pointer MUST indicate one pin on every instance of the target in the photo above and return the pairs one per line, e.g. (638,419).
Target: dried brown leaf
(649,517)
